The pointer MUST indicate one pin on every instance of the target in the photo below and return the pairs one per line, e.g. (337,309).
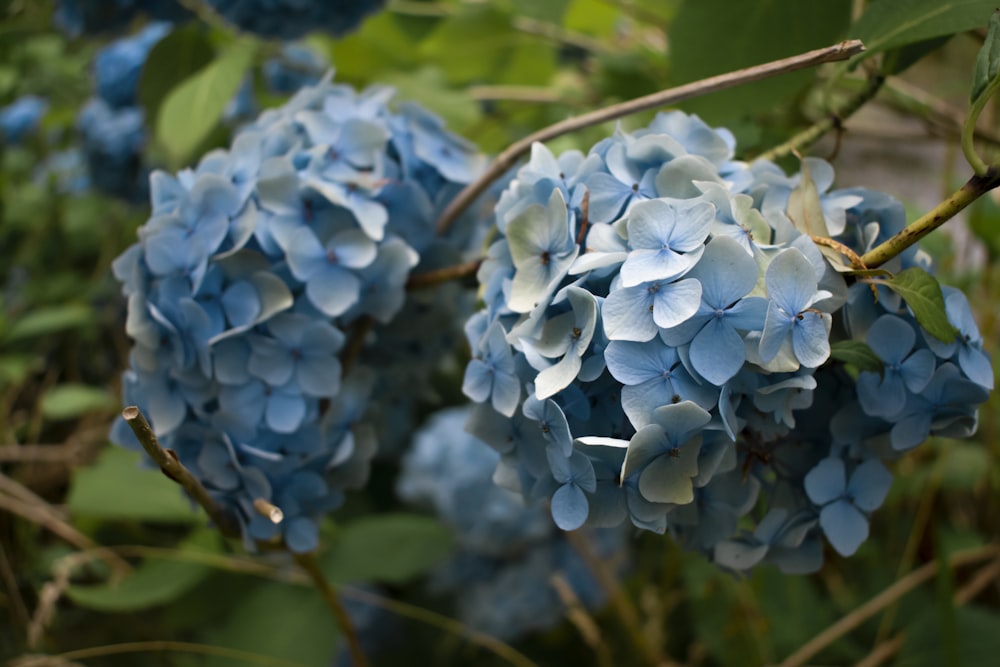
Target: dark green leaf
(899,60)
(42,321)
(709,37)
(154,582)
(67,401)
(382,44)
(192,109)
(278,620)
(481,33)
(887,24)
(976,628)
(389,548)
(116,487)
(922,294)
(858,354)
(173,59)
(988,60)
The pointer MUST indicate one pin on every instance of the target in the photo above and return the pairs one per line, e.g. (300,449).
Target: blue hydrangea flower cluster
(76,17)
(507,552)
(258,269)
(655,346)
(21,117)
(291,19)
(111,123)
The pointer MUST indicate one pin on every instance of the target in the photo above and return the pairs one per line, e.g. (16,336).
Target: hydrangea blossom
(249,280)
(698,389)
(21,117)
(507,551)
(291,19)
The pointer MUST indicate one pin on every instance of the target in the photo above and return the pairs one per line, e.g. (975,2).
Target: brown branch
(68,453)
(448,273)
(509,157)
(172,467)
(887,597)
(311,566)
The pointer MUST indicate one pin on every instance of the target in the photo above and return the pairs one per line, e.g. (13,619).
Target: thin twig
(311,566)
(887,597)
(448,273)
(625,611)
(175,470)
(509,157)
(980,580)
(13,453)
(581,619)
(157,646)
(18,499)
(834,119)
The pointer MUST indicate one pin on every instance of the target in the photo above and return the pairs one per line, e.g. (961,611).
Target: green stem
(833,119)
(969,129)
(973,189)
(311,566)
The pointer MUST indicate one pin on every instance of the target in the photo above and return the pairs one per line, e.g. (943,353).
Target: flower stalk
(974,188)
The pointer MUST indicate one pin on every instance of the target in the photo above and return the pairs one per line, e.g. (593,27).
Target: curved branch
(509,157)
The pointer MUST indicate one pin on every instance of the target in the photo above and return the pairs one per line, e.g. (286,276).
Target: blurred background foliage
(72,194)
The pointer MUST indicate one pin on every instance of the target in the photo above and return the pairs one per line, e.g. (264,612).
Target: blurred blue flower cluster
(291,19)
(655,346)
(111,123)
(508,553)
(76,17)
(21,117)
(257,270)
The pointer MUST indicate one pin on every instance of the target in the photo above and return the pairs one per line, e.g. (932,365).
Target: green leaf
(173,59)
(975,626)
(988,60)
(117,488)
(858,354)
(481,33)
(428,87)
(709,37)
(192,110)
(922,294)
(67,401)
(888,24)
(154,582)
(46,320)
(389,548)
(278,620)
(382,44)
(15,368)
(593,17)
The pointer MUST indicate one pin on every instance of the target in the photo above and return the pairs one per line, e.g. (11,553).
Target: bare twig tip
(269,510)
(130,413)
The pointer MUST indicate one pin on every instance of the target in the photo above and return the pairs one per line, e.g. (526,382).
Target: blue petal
(717,352)
(869,485)
(826,482)
(791,281)
(844,526)
(676,302)
(627,314)
(301,535)
(811,338)
(569,507)
(284,412)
